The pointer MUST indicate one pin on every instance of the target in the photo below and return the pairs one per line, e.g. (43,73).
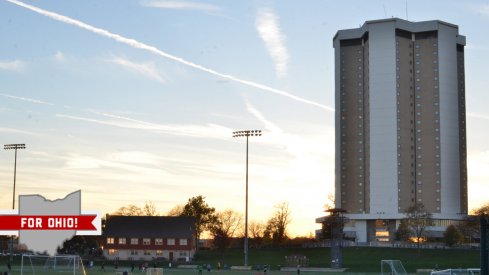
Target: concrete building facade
(400,124)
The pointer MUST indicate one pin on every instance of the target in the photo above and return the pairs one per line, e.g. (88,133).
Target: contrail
(33,100)
(139,45)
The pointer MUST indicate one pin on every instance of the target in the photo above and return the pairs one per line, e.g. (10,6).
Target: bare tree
(418,219)
(277,224)
(330,202)
(149,209)
(177,210)
(129,210)
(326,226)
(230,221)
(227,225)
(257,233)
(256,229)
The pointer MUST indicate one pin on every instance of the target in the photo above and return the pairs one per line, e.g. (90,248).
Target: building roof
(150,227)
(421,26)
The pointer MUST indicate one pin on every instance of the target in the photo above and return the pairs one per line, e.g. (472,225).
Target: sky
(136,100)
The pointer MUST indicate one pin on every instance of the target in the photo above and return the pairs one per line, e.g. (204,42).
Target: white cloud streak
(32,100)
(267,25)
(148,70)
(183,5)
(202,131)
(16,65)
(139,45)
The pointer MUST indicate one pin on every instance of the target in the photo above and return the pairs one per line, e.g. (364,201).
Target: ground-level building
(149,238)
(400,134)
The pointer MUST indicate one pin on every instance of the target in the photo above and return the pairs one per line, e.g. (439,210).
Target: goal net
(41,265)
(393,267)
(154,271)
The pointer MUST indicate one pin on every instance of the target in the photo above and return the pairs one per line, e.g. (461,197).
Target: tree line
(223,226)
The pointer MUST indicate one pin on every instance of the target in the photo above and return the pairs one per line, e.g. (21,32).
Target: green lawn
(355,259)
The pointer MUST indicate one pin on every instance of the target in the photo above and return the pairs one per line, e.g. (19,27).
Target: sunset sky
(136,100)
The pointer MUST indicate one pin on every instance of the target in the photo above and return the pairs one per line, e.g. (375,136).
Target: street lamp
(13,147)
(247,134)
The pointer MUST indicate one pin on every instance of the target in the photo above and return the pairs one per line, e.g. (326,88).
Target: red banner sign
(37,222)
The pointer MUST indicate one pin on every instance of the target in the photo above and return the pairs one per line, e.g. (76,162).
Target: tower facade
(400,124)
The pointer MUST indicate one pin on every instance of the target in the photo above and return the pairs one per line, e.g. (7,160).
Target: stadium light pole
(13,147)
(247,134)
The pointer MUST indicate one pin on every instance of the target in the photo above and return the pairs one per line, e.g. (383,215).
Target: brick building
(148,238)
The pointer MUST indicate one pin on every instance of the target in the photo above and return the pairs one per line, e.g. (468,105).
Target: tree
(149,209)
(175,211)
(130,210)
(80,245)
(330,202)
(403,233)
(325,226)
(418,219)
(220,239)
(230,221)
(204,214)
(276,228)
(227,225)
(470,227)
(256,231)
(452,236)
(482,210)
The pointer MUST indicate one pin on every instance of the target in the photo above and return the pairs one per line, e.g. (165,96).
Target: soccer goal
(392,267)
(154,271)
(43,265)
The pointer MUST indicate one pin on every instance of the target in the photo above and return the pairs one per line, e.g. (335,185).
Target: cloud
(139,45)
(111,168)
(258,115)
(307,151)
(192,130)
(32,100)
(59,56)
(183,5)
(146,69)
(16,66)
(267,25)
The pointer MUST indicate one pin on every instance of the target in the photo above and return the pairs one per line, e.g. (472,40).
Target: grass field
(188,272)
(357,260)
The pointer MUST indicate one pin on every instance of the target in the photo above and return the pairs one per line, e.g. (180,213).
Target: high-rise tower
(400,124)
